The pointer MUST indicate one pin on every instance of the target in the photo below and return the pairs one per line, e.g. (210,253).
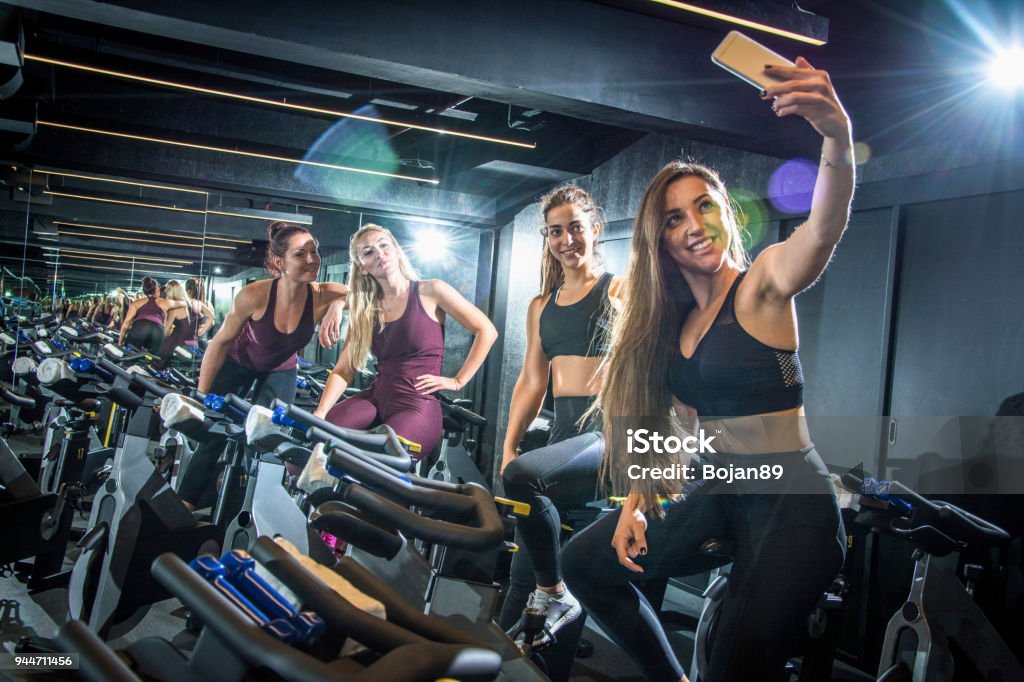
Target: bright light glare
(1007,68)
(432,243)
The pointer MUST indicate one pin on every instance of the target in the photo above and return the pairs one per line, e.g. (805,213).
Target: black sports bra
(579,328)
(732,374)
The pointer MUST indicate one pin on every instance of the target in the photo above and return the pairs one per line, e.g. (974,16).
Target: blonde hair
(645,337)
(365,295)
(175,291)
(552,275)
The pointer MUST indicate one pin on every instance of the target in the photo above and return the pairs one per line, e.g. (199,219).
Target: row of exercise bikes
(410,597)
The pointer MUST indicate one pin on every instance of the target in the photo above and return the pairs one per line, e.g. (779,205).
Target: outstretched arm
(476,323)
(791,267)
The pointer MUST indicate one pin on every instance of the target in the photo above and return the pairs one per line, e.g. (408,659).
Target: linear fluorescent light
(120,182)
(122,202)
(275,103)
(145,241)
(236,152)
(108,267)
(118,255)
(733,20)
(159,234)
(69,260)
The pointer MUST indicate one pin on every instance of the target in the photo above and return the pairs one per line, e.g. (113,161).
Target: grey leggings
(561,474)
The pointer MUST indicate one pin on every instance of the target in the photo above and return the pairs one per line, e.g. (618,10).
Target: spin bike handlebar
(382,446)
(414,662)
(460,412)
(143,382)
(936,527)
(469,517)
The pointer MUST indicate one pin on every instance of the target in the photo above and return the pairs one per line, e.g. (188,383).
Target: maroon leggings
(416,418)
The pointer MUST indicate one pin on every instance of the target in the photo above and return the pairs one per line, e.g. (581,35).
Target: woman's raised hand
(808,92)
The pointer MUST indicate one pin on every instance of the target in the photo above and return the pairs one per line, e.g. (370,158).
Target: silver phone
(746,58)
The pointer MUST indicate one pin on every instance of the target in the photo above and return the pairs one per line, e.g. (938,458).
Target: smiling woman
(257,346)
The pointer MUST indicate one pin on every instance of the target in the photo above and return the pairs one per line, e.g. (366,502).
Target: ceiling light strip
(275,103)
(107,267)
(145,241)
(236,152)
(122,202)
(120,182)
(733,20)
(121,256)
(153,232)
(67,258)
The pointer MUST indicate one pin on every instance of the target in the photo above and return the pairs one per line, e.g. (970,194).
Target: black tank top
(577,329)
(732,374)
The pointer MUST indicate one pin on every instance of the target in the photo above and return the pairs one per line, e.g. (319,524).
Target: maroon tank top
(151,312)
(410,346)
(262,348)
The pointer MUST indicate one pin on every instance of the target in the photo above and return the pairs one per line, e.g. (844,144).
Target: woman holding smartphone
(702,337)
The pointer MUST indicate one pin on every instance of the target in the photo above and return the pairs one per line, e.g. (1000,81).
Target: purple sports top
(262,348)
(410,346)
(150,312)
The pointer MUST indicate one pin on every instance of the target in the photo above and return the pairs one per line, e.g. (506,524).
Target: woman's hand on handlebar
(629,539)
(428,383)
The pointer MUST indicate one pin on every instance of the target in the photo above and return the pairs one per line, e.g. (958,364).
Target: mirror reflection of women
(400,319)
(183,326)
(143,326)
(701,337)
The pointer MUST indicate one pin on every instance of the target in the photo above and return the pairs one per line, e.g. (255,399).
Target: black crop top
(732,374)
(579,328)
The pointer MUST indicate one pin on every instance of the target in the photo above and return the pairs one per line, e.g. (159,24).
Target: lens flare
(350,139)
(1006,70)
(790,186)
(751,217)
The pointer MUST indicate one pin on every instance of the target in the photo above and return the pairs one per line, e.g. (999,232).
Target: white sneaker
(559,610)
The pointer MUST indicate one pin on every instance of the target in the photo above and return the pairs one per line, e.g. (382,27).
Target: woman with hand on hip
(702,337)
(400,319)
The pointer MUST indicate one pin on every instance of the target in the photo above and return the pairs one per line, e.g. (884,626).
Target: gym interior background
(143,137)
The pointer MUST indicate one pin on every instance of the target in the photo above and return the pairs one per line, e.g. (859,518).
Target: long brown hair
(365,296)
(551,274)
(645,338)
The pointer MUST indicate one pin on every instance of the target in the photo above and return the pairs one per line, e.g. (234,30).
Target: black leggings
(198,485)
(563,473)
(790,545)
(145,335)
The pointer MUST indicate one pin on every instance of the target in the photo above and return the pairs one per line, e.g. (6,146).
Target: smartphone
(746,58)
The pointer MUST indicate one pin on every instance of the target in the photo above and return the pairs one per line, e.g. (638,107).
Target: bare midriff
(574,375)
(783,431)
